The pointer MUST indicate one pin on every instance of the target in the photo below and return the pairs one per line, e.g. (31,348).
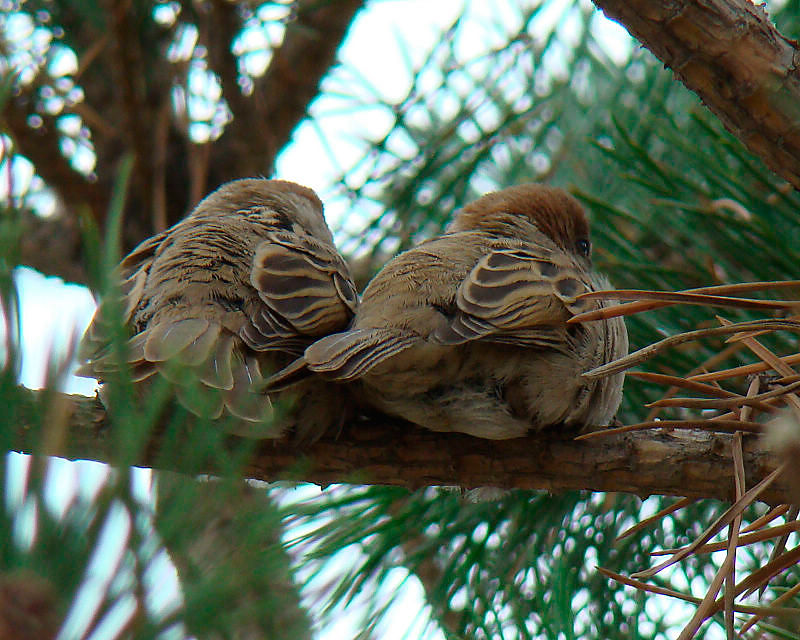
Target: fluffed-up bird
(468,331)
(228,295)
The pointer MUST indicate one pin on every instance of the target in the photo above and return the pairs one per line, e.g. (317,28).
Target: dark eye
(584,247)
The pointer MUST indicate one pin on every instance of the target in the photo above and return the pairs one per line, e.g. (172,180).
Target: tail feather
(287,377)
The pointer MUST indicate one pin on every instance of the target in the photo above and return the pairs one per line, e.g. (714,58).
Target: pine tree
(676,202)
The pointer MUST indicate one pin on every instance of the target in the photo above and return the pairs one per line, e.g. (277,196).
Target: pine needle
(669,297)
(744,370)
(772,514)
(675,506)
(770,358)
(780,599)
(710,362)
(725,519)
(780,545)
(685,383)
(710,403)
(739,608)
(726,403)
(768,571)
(744,540)
(652,303)
(706,608)
(735,526)
(645,353)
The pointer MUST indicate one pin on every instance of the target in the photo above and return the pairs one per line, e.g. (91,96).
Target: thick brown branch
(730,54)
(42,147)
(128,72)
(692,464)
(263,125)
(52,246)
(261,596)
(218,27)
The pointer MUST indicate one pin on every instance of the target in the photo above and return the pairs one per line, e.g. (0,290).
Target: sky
(387,40)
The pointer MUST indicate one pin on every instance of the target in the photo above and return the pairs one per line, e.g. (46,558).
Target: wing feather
(216,371)
(132,272)
(167,339)
(518,297)
(242,400)
(305,286)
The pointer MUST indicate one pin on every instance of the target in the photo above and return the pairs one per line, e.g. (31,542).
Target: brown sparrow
(468,331)
(232,292)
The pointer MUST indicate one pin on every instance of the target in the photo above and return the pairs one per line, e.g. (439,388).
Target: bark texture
(731,55)
(694,464)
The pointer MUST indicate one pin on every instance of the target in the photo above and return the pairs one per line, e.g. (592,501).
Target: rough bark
(682,463)
(727,51)
(731,55)
(41,145)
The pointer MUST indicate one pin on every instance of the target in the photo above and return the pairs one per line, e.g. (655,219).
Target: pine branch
(731,55)
(262,125)
(129,75)
(51,245)
(684,463)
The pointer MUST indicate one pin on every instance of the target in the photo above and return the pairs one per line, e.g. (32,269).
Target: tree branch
(128,73)
(684,463)
(53,246)
(731,55)
(263,125)
(42,147)
(207,546)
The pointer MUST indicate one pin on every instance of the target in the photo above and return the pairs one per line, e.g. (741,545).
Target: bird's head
(525,210)
(283,204)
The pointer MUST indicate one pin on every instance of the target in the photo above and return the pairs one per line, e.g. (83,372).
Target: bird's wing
(306,290)
(197,350)
(132,275)
(194,354)
(302,289)
(517,296)
(351,354)
(185,350)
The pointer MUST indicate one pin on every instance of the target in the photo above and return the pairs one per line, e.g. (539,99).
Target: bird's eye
(584,247)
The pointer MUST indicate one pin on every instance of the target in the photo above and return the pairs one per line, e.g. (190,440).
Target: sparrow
(468,331)
(232,292)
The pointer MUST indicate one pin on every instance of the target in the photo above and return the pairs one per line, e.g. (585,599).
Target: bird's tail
(287,377)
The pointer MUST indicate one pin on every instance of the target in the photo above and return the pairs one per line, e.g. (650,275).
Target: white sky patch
(53,316)
(63,62)
(615,40)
